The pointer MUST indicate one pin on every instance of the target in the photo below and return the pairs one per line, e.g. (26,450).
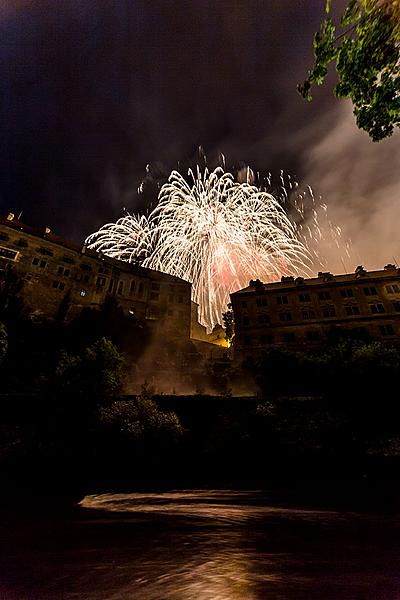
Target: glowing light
(217,233)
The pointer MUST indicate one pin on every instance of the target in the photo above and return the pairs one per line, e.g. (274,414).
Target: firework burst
(213,231)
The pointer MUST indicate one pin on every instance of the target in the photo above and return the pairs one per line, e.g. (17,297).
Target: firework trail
(215,232)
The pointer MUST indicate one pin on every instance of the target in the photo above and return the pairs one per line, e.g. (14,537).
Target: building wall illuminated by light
(306,314)
(57,274)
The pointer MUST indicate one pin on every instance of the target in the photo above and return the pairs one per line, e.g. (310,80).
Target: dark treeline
(66,429)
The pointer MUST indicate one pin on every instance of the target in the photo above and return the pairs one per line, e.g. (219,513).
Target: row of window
(310,336)
(327,312)
(325,295)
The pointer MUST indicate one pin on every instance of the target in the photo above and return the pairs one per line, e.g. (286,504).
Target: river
(201,545)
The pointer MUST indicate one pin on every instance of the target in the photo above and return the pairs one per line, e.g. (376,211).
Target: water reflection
(213,545)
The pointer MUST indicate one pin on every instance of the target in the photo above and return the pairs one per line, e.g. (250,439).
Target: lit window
(7,253)
(83,292)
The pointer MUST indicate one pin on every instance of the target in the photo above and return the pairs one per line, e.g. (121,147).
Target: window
(393,289)
(67,260)
(289,337)
(85,267)
(347,293)
(266,339)
(140,289)
(154,296)
(261,302)
(304,297)
(328,311)
(101,281)
(282,300)
(120,287)
(180,299)
(22,243)
(352,309)
(83,292)
(7,253)
(31,277)
(370,291)
(45,251)
(308,314)
(58,285)
(324,295)
(386,329)
(132,286)
(263,319)
(313,336)
(396,306)
(103,270)
(244,304)
(155,286)
(39,263)
(246,321)
(63,271)
(286,316)
(4,237)
(377,308)
(85,278)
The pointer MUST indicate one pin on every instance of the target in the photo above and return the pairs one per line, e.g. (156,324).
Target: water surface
(202,545)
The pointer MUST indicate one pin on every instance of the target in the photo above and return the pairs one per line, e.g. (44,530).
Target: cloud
(359,180)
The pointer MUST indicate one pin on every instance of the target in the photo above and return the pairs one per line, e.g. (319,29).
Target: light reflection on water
(205,545)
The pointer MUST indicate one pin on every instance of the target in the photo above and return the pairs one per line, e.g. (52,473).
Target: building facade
(61,277)
(306,314)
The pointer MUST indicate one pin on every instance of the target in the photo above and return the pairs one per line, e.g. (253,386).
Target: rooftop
(289,282)
(45,233)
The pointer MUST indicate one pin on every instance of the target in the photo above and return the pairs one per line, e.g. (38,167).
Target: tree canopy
(366,53)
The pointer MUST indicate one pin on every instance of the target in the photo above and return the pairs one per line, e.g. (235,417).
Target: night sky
(94,90)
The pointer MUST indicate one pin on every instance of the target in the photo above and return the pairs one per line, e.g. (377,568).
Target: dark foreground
(205,545)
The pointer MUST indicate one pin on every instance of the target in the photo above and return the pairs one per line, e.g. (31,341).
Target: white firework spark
(213,231)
